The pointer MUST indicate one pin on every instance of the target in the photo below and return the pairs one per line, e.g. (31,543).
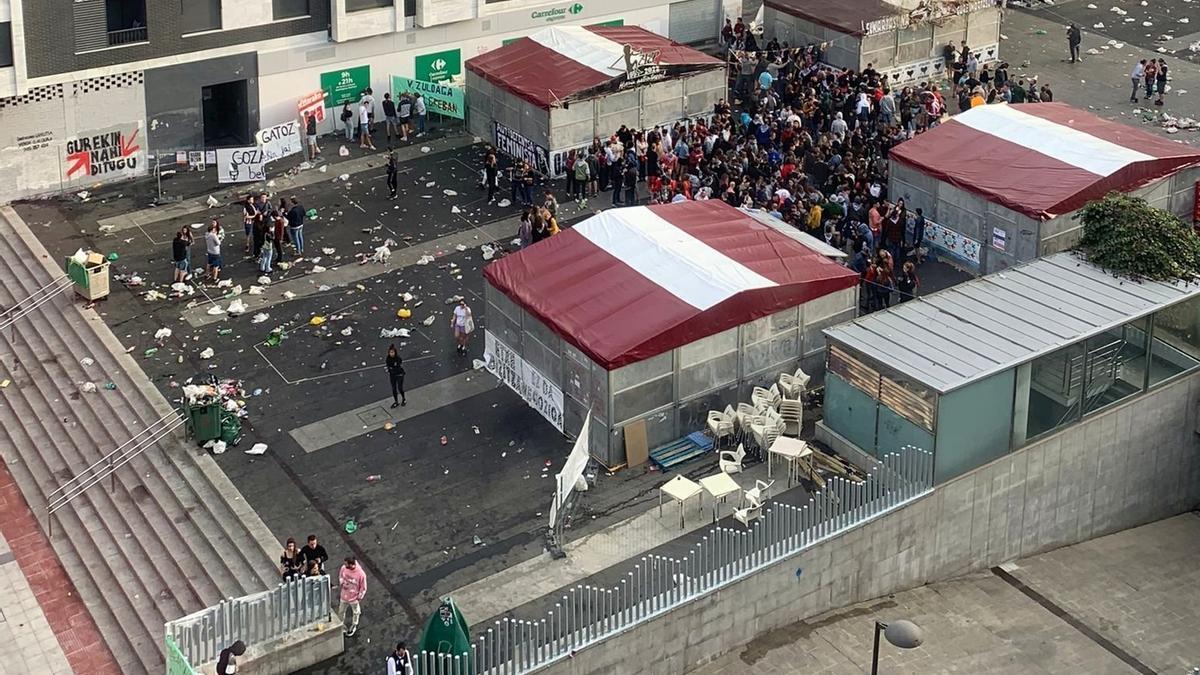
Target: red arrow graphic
(79,161)
(127,147)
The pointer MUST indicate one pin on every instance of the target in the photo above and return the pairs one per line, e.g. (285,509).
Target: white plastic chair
(791,387)
(730,461)
(760,492)
(802,378)
(761,398)
(720,426)
(791,411)
(748,513)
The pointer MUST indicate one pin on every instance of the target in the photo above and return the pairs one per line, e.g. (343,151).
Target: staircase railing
(107,465)
(41,296)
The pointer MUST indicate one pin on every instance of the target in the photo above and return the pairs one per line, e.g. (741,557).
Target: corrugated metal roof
(986,325)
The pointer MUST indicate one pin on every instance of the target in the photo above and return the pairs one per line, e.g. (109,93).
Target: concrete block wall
(1129,466)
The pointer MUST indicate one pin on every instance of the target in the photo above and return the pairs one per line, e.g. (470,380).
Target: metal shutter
(91,25)
(695,21)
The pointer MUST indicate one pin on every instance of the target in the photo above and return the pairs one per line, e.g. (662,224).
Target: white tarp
(537,390)
(572,471)
(1070,146)
(583,46)
(690,269)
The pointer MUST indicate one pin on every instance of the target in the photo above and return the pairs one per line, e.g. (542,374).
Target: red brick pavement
(65,611)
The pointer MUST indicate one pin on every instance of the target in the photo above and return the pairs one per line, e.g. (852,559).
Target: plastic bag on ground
(237,307)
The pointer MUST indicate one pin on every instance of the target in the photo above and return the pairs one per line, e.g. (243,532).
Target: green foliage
(1129,237)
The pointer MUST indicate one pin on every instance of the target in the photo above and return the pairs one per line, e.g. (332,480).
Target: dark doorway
(226,119)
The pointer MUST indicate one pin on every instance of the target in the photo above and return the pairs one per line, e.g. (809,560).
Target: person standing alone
(391,175)
(463,324)
(395,371)
(1073,40)
(353,586)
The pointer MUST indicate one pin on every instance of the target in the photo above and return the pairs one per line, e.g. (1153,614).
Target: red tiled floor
(66,613)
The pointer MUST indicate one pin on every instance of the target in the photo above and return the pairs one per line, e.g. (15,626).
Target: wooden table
(791,449)
(679,489)
(719,486)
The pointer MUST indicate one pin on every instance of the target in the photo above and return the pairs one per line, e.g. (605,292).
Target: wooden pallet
(682,450)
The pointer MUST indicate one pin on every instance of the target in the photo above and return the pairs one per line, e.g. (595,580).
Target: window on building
(1175,346)
(359,5)
(6,55)
(289,9)
(199,15)
(410,7)
(126,21)
(1116,365)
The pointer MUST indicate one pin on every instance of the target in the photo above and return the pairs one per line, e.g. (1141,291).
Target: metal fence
(254,619)
(177,663)
(586,615)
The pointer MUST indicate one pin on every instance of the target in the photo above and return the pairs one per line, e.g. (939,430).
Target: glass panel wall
(1116,365)
(1176,343)
(1050,393)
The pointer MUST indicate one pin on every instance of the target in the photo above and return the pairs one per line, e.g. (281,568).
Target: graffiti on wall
(103,153)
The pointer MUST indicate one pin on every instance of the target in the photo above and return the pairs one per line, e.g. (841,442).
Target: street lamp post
(903,634)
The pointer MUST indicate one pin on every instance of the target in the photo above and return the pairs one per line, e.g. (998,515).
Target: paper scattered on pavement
(257,449)
(207,353)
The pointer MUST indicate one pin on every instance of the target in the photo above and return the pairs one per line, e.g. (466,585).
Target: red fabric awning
(632,283)
(559,62)
(1042,159)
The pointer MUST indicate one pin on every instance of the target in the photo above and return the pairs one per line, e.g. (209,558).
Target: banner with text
(439,98)
(539,392)
(312,104)
(279,141)
(240,165)
(516,146)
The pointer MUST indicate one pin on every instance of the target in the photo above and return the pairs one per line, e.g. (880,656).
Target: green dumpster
(90,278)
(446,632)
(204,421)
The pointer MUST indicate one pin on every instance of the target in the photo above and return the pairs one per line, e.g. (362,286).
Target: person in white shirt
(463,325)
(364,125)
(420,111)
(399,662)
(212,244)
(1139,71)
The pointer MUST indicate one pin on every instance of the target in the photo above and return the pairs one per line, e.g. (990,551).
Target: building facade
(93,91)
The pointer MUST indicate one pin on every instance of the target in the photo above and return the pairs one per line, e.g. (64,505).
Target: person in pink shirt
(353,581)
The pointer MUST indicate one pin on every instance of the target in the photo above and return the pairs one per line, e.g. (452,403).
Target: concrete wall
(173,99)
(36,129)
(1133,465)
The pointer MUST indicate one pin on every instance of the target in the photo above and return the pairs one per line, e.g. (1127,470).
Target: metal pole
(875,653)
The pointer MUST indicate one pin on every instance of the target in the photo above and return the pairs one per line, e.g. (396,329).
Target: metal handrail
(41,296)
(106,466)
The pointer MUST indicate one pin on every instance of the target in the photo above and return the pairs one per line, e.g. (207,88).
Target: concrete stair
(170,535)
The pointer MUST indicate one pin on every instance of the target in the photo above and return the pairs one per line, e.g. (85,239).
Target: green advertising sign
(439,66)
(346,85)
(552,14)
(442,99)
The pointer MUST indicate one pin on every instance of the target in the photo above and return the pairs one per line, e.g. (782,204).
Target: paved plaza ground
(1123,604)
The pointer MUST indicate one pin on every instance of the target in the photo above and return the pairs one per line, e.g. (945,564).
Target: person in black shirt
(227,660)
(389,116)
(391,170)
(310,130)
(181,254)
(295,223)
(395,370)
(314,556)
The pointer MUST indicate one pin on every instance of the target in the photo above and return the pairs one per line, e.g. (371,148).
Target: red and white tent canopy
(556,63)
(628,284)
(1042,159)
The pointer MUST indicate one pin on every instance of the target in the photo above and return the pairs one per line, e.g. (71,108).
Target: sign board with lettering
(314,103)
(279,141)
(537,390)
(516,146)
(438,66)
(641,67)
(240,165)
(104,154)
(557,12)
(442,99)
(346,85)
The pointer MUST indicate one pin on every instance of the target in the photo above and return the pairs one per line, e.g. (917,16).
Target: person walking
(399,662)
(463,325)
(391,175)
(1136,75)
(395,371)
(364,122)
(291,563)
(227,658)
(295,220)
(420,111)
(1073,40)
(353,587)
(391,122)
(348,122)
(181,254)
(212,244)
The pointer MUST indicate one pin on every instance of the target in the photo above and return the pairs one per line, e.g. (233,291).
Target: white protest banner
(240,165)
(538,391)
(279,141)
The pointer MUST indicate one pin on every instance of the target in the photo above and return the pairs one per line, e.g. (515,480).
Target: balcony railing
(129,36)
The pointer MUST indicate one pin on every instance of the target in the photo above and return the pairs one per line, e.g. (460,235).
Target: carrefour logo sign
(439,64)
(557,13)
